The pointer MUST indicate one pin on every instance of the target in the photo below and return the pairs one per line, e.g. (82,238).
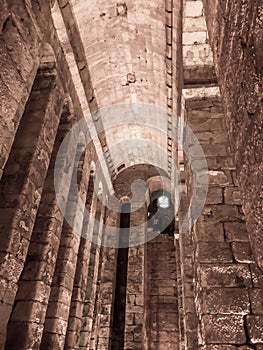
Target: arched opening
(161,212)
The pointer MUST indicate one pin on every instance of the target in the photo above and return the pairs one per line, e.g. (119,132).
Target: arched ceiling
(118,53)
(125,46)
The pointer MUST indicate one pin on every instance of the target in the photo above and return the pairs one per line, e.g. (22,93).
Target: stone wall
(236,36)
(162,324)
(221,274)
(57,289)
(39,105)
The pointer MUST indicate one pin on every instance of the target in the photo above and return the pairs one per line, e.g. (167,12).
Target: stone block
(214,196)
(191,339)
(33,290)
(188,290)
(236,231)
(5,312)
(221,213)
(214,252)
(11,267)
(29,311)
(219,163)
(194,38)
(255,328)
(24,335)
(225,301)
(228,329)
(256,299)
(71,339)
(58,310)
(58,328)
(210,137)
(191,321)
(200,123)
(194,24)
(225,275)
(219,347)
(189,305)
(257,276)
(193,9)
(199,75)
(232,196)
(242,252)
(7,291)
(209,231)
(220,178)
(198,55)
(74,323)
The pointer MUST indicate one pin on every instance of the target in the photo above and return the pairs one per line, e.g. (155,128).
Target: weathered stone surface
(226,329)
(200,289)
(235,32)
(225,275)
(242,252)
(256,299)
(214,252)
(226,301)
(236,231)
(161,294)
(210,231)
(255,328)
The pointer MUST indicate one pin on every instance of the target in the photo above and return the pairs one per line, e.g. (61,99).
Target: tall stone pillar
(108,279)
(23,180)
(134,336)
(34,284)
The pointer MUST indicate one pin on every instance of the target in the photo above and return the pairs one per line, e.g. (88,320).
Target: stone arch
(47,55)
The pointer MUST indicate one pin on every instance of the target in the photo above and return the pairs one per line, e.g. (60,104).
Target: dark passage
(117,341)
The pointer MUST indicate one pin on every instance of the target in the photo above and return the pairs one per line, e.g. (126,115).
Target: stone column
(56,321)
(134,315)
(34,286)
(162,294)
(23,180)
(108,280)
(20,47)
(82,269)
(88,316)
(186,296)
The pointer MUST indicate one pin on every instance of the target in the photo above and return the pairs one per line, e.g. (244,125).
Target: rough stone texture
(24,174)
(83,277)
(197,54)
(91,310)
(201,290)
(42,252)
(218,251)
(236,34)
(135,298)
(107,287)
(60,299)
(162,320)
(21,39)
(255,328)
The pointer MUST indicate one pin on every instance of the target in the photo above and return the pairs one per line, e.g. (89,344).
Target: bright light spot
(163,202)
